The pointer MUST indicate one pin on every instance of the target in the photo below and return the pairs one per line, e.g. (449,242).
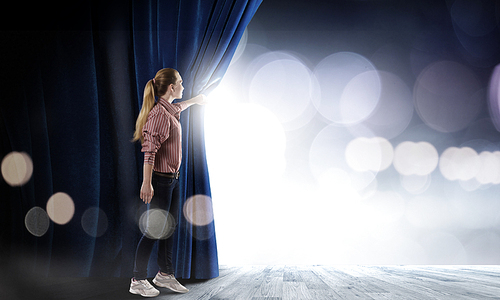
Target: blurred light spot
(489,170)
(17,168)
(198,210)
(37,221)
(328,148)
(394,110)
(360,97)
(415,184)
(446,96)
(284,86)
(157,224)
(94,221)
(350,88)
(459,163)
(369,154)
(494,97)
(415,158)
(60,208)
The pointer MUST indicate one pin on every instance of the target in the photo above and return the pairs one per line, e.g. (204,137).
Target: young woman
(159,131)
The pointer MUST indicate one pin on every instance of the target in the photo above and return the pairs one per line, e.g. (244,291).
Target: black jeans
(166,197)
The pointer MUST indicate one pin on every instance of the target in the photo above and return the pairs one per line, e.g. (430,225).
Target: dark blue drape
(71,88)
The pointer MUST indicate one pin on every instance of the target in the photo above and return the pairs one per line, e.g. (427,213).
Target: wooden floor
(292,282)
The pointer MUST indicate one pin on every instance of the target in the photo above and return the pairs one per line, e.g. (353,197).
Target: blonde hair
(155,87)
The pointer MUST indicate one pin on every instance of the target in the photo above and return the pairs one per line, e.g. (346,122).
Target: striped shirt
(162,134)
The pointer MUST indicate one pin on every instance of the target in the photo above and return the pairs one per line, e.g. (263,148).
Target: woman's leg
(165,246)
(164,190)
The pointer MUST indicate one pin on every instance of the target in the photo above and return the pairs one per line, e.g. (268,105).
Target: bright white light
(245,145)
(369,154)
(60,208)
(415,158)
(243,141)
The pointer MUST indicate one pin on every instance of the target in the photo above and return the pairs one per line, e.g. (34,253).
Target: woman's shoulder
(158,111)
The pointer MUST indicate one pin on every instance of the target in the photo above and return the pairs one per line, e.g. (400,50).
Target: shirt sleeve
(180,107)
(155,132)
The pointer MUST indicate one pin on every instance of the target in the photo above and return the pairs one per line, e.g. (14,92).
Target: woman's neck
(168,99)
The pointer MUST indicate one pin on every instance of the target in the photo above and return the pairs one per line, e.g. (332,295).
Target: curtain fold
(70,94)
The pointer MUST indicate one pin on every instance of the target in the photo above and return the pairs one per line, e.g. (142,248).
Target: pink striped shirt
(162,134)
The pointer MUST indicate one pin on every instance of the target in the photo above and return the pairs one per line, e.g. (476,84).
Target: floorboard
(285,283)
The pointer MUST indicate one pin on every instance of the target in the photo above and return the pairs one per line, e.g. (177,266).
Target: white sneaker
(143,288)
(169,282)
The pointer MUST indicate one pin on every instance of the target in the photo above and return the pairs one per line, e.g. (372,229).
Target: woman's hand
(200,99)
(147,192)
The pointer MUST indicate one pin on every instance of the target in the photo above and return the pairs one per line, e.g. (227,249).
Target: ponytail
(147,105)
(155,87)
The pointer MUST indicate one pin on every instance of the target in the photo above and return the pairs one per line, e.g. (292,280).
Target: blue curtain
(70,92)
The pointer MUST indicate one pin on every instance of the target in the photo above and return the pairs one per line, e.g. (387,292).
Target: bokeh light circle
(446,96)
(94,221)
(415,184)
(369,154)
(60,208)
(327,150)
(412,158)
(459,163)
(157,223)
(494,97)
(350,88)
(394,110)
(17,168)
(198,210)
(284,86)
(37,221)
(489,170)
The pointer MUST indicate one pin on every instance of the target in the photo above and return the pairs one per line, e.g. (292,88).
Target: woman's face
(178,88)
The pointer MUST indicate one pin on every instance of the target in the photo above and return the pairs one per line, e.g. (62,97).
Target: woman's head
(162,81)
(166,82)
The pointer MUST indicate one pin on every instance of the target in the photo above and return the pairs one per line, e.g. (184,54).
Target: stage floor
(288,282)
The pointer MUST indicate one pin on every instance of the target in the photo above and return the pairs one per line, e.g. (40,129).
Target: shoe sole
(138,293)
(157,283)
